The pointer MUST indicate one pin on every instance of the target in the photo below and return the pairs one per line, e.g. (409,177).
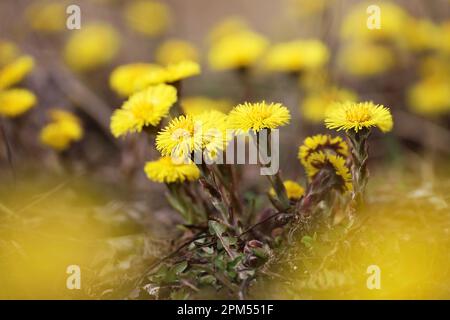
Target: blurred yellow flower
(305,8)
(430,96)
(15,71)
(297,56)
(393,22)
(227,27)
(64,129)
(130,78)
(258,116)
(47,16)
(8,52)
(15,102)
(175,51)
(236,50)
(293,189)
(315,105)
(144,108)
(150,18)
(321,160)
(357,116)
(182,70)
(366,59)
(321,143)
(422,34)
(165,170)
(199,104)
(92,46)
(444,36)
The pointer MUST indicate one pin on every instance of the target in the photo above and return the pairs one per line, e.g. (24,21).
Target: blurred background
(91,203)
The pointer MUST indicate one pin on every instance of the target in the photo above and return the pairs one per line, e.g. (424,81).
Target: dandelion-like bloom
(8,52)
(294,191)
(236,50)
(297,56)
(15,102)
(144,108)
(174,51)
(130,78)
(91,47)
(165,170)
(15,71)
(319,161)
(316,104)
(47,17)
(150,18)
(182,70)
(357,116)
(258,116)
(430,96)
(177,139)
(64,129)
(322,143)
(199,104)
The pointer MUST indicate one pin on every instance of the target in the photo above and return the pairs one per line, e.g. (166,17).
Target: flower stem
(360,173)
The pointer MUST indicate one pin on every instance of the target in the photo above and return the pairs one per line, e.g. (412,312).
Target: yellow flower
(64,129)
(92,46)
(315,105)
(366,59)
(15,71)
(293,189)
(130,78)
(165,170)
(150,18)
(297,55)
(174,51)
(257,116)
(321,160)
(357,116)
(178,138)
(47,16)
(199,104)
(14,102)
(8,52)
(422,34)
(182,70)
(236,50)
(321,143)
(444,32)
(430,96)
(144,108)
(227,27)
(307,8)
(394,21)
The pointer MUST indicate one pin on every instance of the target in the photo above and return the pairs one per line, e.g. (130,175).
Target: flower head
(151,18)
(8,52)
(130,78)
(297,56)
(181,70)
(91,47)
(64,129)
(175,51)
(319,161)
(293,189)
(144,108)
(321,143)
(257,116)
(14,102)
(165,170)
(47,16)
(357,116)
(15,71)
(430,96)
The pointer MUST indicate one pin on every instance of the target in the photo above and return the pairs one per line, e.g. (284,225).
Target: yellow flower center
(358,115)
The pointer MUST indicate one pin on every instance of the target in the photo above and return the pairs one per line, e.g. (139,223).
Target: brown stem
(360,173)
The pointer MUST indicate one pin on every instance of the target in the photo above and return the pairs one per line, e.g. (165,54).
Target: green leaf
(216,228)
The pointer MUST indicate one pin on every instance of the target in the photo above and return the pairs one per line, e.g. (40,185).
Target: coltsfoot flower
(15,102)
(144,108)
(182,70)
(150,18)
(165,170)
(47,16)
(258,116)
(64,129)
(357,116)
(130,78)
(430,96)
(322,143)
(294,191)
(321,160)
(15,71)
(297,56)
(176,50)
